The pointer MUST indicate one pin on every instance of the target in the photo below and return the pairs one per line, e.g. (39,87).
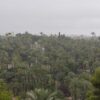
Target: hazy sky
(67,16)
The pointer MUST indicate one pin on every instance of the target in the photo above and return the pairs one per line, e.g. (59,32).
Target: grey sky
(68,16)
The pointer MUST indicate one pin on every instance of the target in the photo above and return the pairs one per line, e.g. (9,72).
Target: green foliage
(42,94)
(95,94)
(4,93)
(54,63)
(79,85)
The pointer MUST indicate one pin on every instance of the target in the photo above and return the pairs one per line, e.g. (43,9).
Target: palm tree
(41,94)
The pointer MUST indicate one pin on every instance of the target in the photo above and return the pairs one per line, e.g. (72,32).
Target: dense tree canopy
(53,63)
(95,94)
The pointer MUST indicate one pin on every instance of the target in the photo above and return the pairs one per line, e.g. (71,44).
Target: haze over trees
(55,67)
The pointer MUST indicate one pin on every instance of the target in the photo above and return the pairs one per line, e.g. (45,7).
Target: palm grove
(55,67)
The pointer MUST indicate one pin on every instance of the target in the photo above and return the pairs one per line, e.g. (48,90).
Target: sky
(50,16)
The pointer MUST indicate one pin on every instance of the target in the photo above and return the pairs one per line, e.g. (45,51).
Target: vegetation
(95,94)
(55,67)
(5,94)
(42,94)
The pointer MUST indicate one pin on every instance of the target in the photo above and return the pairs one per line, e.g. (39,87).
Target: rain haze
(67,16)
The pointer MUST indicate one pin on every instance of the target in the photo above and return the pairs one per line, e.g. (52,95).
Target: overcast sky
(67,16)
